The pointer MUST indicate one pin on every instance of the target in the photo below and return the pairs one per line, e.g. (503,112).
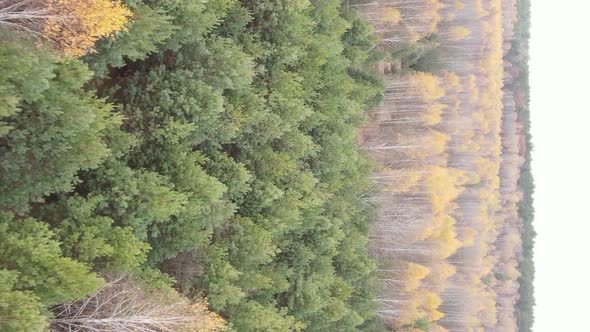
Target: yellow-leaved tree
(73,26)
(414,275)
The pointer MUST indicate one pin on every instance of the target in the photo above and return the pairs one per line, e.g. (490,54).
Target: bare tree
(27,15)
(120,306)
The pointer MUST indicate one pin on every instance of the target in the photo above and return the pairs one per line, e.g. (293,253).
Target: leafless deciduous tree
(121,306)
(25,15)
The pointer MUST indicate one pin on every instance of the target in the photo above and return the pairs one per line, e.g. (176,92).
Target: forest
(265,165)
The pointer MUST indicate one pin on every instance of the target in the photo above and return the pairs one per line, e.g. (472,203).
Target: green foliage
(422,55)
(138,199)
(19,310)
(422,324)
(230,162)
(519,55)
(175,98)
(234,175)
(252,316)
(50,128)
(29,248)
(92,238)
(148,31)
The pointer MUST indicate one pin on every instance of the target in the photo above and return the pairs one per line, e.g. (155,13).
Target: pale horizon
(559,119)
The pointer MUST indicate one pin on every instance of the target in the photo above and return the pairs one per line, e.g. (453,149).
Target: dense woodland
(265,165)
(519,58)
(453,234)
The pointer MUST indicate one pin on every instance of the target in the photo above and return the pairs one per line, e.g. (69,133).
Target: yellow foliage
(414,275)
(390,16)
(440,272)
(459,33)
(433,115)
(430,303)
(459,125)
(439,142)
(207,321)
(405,180)
(427,85)
(512,272)
(480,8)
(447,241)
(442,232)
(436,315)
(459,5)
(467,236)
(471,146)
(76,24)
(422,304)
(452,80)
(431,143)
(445,186)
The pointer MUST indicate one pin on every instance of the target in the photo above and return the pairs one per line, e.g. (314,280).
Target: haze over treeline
(265,165)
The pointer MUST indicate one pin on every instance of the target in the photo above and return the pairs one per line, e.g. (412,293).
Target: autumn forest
(265,165)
